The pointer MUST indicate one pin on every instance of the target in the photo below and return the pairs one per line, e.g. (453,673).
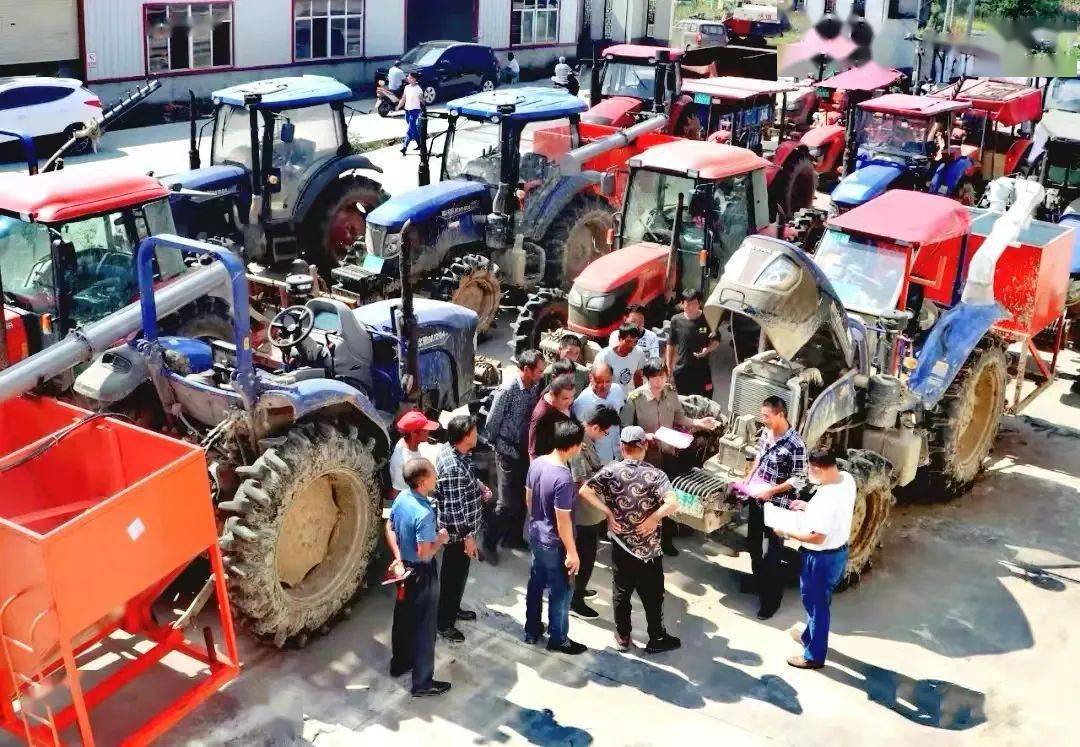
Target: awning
(868,77)
(1006,102)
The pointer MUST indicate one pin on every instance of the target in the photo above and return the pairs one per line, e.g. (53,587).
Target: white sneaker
(796,631)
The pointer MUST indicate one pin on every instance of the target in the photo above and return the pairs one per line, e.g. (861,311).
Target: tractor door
(300,141)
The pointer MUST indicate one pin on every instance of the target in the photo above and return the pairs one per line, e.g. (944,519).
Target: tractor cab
(737,111)
(1059,163)
(631,79)
(688,207)
(278,148)
(67,250)
(905,141)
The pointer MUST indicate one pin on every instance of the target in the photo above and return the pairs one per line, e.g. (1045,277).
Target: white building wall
(384,34)
(38,31)
(569,21)
(494,23)
(262,32)
(628,19)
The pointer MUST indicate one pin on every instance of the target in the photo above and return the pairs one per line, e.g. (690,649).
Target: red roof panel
(913,106)
(902,215)
(710,160)
(64,195)
(1006,102)
(731,87)
(868,77)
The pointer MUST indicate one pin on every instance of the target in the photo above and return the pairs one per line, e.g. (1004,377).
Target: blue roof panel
(531,104)
(422,203)
(286,93)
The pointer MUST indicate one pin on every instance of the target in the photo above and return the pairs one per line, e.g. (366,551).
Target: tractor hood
(610,271)
(429,314)
(422,203)
(209,179)
(778,286)
(865,184)
(617,111)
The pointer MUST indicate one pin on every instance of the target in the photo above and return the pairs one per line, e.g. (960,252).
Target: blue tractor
(498,218)
(284,181)
(297,448)
(903,141)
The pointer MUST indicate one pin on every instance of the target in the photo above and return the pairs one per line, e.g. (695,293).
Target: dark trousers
(587,538)
(413,635)
(508,518)
(646,577)
(694,379)
(821,572)
(455,572)
(766,551)
(548,571)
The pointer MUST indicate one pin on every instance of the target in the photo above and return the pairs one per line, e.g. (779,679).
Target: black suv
(449,69)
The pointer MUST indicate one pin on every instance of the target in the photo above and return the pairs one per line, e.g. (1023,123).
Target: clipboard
(786,520)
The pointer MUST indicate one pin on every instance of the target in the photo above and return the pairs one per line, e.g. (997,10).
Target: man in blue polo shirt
(412,537)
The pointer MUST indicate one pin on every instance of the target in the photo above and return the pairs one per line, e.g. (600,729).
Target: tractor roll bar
(84,343)
(29,153)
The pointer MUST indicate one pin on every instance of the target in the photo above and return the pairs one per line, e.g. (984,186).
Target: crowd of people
(580,458)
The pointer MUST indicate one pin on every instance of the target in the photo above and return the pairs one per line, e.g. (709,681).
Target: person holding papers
(778,473)
(823,526)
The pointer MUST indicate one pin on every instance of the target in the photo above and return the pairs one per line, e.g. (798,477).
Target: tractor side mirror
(288,132)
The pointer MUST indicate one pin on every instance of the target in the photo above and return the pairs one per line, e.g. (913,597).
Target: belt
(843,547)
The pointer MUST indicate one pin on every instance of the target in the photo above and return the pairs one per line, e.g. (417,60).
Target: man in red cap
(415,429)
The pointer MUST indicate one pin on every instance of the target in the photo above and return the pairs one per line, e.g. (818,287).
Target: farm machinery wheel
(873,502)
(206,319)
(576,238)
(965,423)
(303,528)
(793,188)
(339,219)
(809,226)
(472,281)
(544,311)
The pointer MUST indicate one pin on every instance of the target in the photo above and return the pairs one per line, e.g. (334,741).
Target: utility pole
(970,23)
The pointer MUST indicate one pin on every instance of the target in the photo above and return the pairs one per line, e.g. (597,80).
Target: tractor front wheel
(303,528)
(340,219)
(794,187)
(207,319)
(473,282)
(873,502)
(577,237)
(965,423)
(544,311)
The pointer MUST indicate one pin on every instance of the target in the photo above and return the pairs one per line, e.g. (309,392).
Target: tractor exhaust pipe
(572,161)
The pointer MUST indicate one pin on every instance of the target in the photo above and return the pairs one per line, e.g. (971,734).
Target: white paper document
(675,439)
(784,519)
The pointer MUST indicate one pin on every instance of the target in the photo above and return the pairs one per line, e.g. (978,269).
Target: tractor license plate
(702,98)
(373,264)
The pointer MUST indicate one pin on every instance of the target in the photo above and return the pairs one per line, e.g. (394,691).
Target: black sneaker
(663,643)
(437,687)
(582,610)
(398,671)
(452,634)
(572,648)
(467,615)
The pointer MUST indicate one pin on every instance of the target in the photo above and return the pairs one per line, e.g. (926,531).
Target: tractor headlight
(600,303)
(780,275)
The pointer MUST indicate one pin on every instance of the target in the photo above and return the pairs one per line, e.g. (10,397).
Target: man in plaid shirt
(781,462)
(459,497)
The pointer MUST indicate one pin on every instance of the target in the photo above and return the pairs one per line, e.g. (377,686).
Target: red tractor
(688,206)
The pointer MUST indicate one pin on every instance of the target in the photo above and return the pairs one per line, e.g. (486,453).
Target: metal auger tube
(574,159)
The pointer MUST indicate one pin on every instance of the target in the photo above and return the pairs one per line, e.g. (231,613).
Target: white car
(47,108)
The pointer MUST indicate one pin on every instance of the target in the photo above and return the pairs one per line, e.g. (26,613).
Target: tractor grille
(748,392)
(698,489)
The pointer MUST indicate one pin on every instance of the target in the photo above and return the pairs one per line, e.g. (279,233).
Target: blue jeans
(548,572)
(413,131)
(821,572)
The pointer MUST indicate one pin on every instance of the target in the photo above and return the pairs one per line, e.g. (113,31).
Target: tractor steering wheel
(291,326)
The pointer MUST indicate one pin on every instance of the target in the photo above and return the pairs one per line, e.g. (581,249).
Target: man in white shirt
(512,69)
(415,429)
(412,101)
(823,531)
(562,72)
(395,78)
(601,391)
(648,341)
(625,357)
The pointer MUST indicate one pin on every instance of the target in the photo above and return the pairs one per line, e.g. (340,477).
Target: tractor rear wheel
(576,237)
(206,319)
(304,526)
(873,502)
(544,311)
(472,281)
(965,423)
(340,219)
(793,188)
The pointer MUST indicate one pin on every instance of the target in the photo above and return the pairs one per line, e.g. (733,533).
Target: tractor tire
(206,319)
(303,526)
(472,281)
(544,311)
(794,187)
(965,423)
(809,227)
(873,502)
(336,222)
(575,238)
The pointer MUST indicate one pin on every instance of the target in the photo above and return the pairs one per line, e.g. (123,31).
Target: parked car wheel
(487,84)
(431,93)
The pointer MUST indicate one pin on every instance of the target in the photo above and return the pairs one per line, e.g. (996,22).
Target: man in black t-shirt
(689,344)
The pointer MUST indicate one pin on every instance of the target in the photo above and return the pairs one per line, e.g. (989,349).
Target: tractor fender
(119,371)
(833,405)
(865,184)
(947,175)
(948,346)
(324,177)
(546,205)
(310,397)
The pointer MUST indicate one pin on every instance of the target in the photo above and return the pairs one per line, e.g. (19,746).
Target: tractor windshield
(633,79)
(1064,94)
(895,135)
(24,252)
(868,275)
(232,137)
(473,153)
(651,204)
(303,140)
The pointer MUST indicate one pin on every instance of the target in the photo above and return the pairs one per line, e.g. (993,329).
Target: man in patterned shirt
(459,497)
(507,430)
(781,462)
(634,496)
